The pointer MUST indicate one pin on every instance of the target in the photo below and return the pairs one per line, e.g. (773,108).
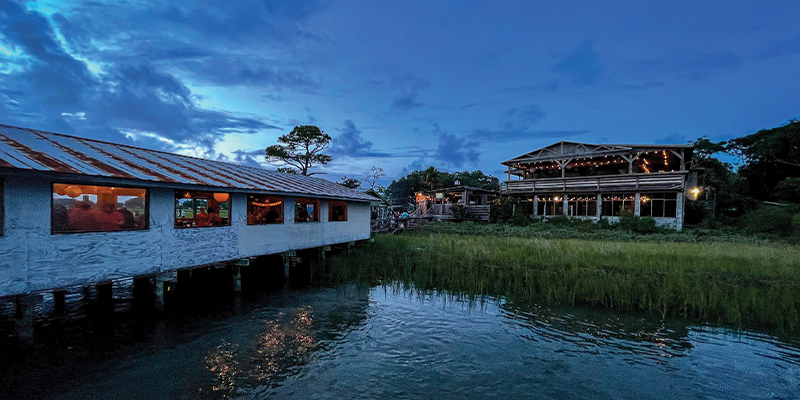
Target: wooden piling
(59,301)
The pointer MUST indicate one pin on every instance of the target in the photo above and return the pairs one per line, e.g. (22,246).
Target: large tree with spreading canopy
(301,149)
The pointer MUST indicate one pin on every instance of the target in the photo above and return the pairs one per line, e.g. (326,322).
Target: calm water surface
(385,342)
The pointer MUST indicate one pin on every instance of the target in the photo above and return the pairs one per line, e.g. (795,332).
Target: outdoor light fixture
(695,191)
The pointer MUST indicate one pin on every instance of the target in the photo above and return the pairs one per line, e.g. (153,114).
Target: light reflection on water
(386,342)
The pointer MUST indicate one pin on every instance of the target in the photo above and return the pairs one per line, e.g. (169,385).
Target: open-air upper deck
(586,168)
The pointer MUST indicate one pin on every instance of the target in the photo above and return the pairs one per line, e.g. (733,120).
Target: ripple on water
(387,342)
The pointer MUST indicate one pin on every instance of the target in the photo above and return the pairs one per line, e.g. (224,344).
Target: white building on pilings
(76,211)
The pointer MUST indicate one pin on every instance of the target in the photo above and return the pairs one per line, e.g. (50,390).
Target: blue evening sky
(402,85)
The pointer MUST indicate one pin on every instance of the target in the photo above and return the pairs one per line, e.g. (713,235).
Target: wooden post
(637,205)
(236,273)
(536,205)
(566,204)
(160,286)
(25,307)
(599,206)
(105,298)
(59,301)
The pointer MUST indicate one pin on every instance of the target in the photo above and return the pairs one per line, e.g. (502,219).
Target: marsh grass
(723,283)
(592,231)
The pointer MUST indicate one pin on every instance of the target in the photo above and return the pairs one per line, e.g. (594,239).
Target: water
(387,342)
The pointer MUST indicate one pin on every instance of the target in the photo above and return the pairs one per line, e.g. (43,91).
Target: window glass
(306,210)
(86,208)
(614,204)
(202,209)
(264,210)
(583,206)
(337,210)
(550,205)
(658,205)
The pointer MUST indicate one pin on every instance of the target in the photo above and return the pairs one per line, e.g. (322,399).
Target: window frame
(175,210)
(550,204)
(621,202)
(577,201)
(331,204)
(282,213)
(146,207)
(306,200)
(652,199)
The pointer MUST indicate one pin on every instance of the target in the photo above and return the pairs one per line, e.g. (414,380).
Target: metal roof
(30,149)
(566,149)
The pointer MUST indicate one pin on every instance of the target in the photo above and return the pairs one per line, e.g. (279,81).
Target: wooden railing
(594,184)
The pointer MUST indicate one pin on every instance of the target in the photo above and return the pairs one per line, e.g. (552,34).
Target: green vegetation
(728,283)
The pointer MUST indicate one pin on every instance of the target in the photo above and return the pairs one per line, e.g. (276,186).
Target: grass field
(735,284)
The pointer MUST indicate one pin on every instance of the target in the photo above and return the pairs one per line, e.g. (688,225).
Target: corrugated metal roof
(53,152)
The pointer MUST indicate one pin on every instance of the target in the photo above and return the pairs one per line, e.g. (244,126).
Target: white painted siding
(32,259)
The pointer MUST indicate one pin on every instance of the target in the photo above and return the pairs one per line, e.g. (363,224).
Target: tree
(301,150)
(351,183)
(769,157)
(372,177)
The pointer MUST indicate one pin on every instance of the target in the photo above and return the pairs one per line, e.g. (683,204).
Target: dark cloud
(407,88)
(685,67)
(511,135)
(480,103)
(675,138)
(124,103)
(527,114)
(582,66)
(231,71)
(451,152)
(248,157)
(352,144)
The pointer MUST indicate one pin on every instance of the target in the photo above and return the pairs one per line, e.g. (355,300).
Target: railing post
(637,204)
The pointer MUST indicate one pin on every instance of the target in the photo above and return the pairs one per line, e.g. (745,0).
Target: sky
(460,85)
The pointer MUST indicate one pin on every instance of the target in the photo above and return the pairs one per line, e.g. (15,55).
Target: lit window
(583,206)
(263,210)
(202,209)
(306,210)
(615,204)
(337,211)
(552,205)
(85,208)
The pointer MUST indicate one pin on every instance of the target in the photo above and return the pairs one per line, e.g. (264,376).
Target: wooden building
(438,204)
(76,211)
(594,181)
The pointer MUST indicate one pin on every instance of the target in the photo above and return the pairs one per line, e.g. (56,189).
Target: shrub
(502,209)
(769,221)
(559,220)
(636,224)
(519,218)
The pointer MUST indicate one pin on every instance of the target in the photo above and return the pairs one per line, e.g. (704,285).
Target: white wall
(32,259)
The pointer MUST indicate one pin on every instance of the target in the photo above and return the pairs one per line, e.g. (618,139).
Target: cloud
(407,88)
(352,144)
(501,135)
(528,113)
(675,138)
(480,103)
(451,152)
(125,102)
(582,66)
(248,157)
